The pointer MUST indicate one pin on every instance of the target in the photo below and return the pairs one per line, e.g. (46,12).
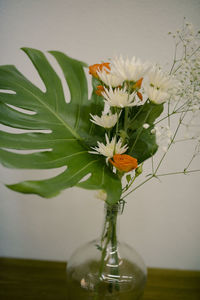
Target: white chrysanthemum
(159,80)
(110,148)
(110,79)
(156,96)
(118,97)
(106,121)
(131,70)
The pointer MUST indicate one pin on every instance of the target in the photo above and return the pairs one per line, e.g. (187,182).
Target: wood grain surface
(22,279)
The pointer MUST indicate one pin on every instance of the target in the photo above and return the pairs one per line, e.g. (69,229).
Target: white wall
(161,220)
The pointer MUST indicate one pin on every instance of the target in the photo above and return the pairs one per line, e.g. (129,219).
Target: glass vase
(105,268)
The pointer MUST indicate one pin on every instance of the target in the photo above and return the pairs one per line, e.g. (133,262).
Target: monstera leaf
(67,130)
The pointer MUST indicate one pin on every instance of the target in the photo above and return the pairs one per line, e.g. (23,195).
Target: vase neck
(110,232)
(115,208)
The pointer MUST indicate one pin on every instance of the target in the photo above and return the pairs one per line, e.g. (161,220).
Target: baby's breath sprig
(184,102)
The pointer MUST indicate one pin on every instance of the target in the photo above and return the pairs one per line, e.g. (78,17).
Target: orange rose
(99,90)
(124,162)
(98,67)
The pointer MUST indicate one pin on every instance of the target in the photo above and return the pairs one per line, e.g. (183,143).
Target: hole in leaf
(85,178)
(16,175)
(7,92)
(22,110)
(18,131)
(60,74)
(27,151)
(29,71)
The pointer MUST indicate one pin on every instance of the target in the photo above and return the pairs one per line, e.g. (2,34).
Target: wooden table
(22,279)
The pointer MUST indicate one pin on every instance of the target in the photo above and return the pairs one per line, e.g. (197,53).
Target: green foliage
(146,113)
(71,131)
(143,147)
(142,143)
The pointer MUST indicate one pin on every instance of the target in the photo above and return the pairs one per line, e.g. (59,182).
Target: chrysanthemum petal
(130,69)
(106,121)
(118,97)
(110,148)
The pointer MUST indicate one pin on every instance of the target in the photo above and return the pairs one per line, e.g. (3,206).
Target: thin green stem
(184,140)
(152,165)
(115,269)
(168,112)
(109,234)
(196,152)
(178,67)
(174,60)
(117,125)
(173,113)
(172,140)
(126,118)
(180,172)
(139,185)
(129,185)
(177,103)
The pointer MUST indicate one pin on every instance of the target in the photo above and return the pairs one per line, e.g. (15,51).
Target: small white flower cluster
(187,63)
(192,126)
(163,136)
(186,69)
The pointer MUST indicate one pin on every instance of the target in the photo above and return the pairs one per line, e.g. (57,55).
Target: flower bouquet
(102,142)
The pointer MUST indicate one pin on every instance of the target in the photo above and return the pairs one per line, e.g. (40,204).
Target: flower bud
(139,170)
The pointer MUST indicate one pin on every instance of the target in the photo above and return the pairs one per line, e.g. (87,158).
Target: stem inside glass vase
(106,269)
(109,250)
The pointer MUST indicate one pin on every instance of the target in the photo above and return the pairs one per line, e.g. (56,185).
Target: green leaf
(143,147)
(146,113)
(142,143)
(68,130)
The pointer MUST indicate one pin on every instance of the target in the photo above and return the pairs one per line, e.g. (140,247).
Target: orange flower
(124,162)
(98,67)
(138,84)
(99,90)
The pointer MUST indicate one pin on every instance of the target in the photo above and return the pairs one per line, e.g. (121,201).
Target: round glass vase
(105,268)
